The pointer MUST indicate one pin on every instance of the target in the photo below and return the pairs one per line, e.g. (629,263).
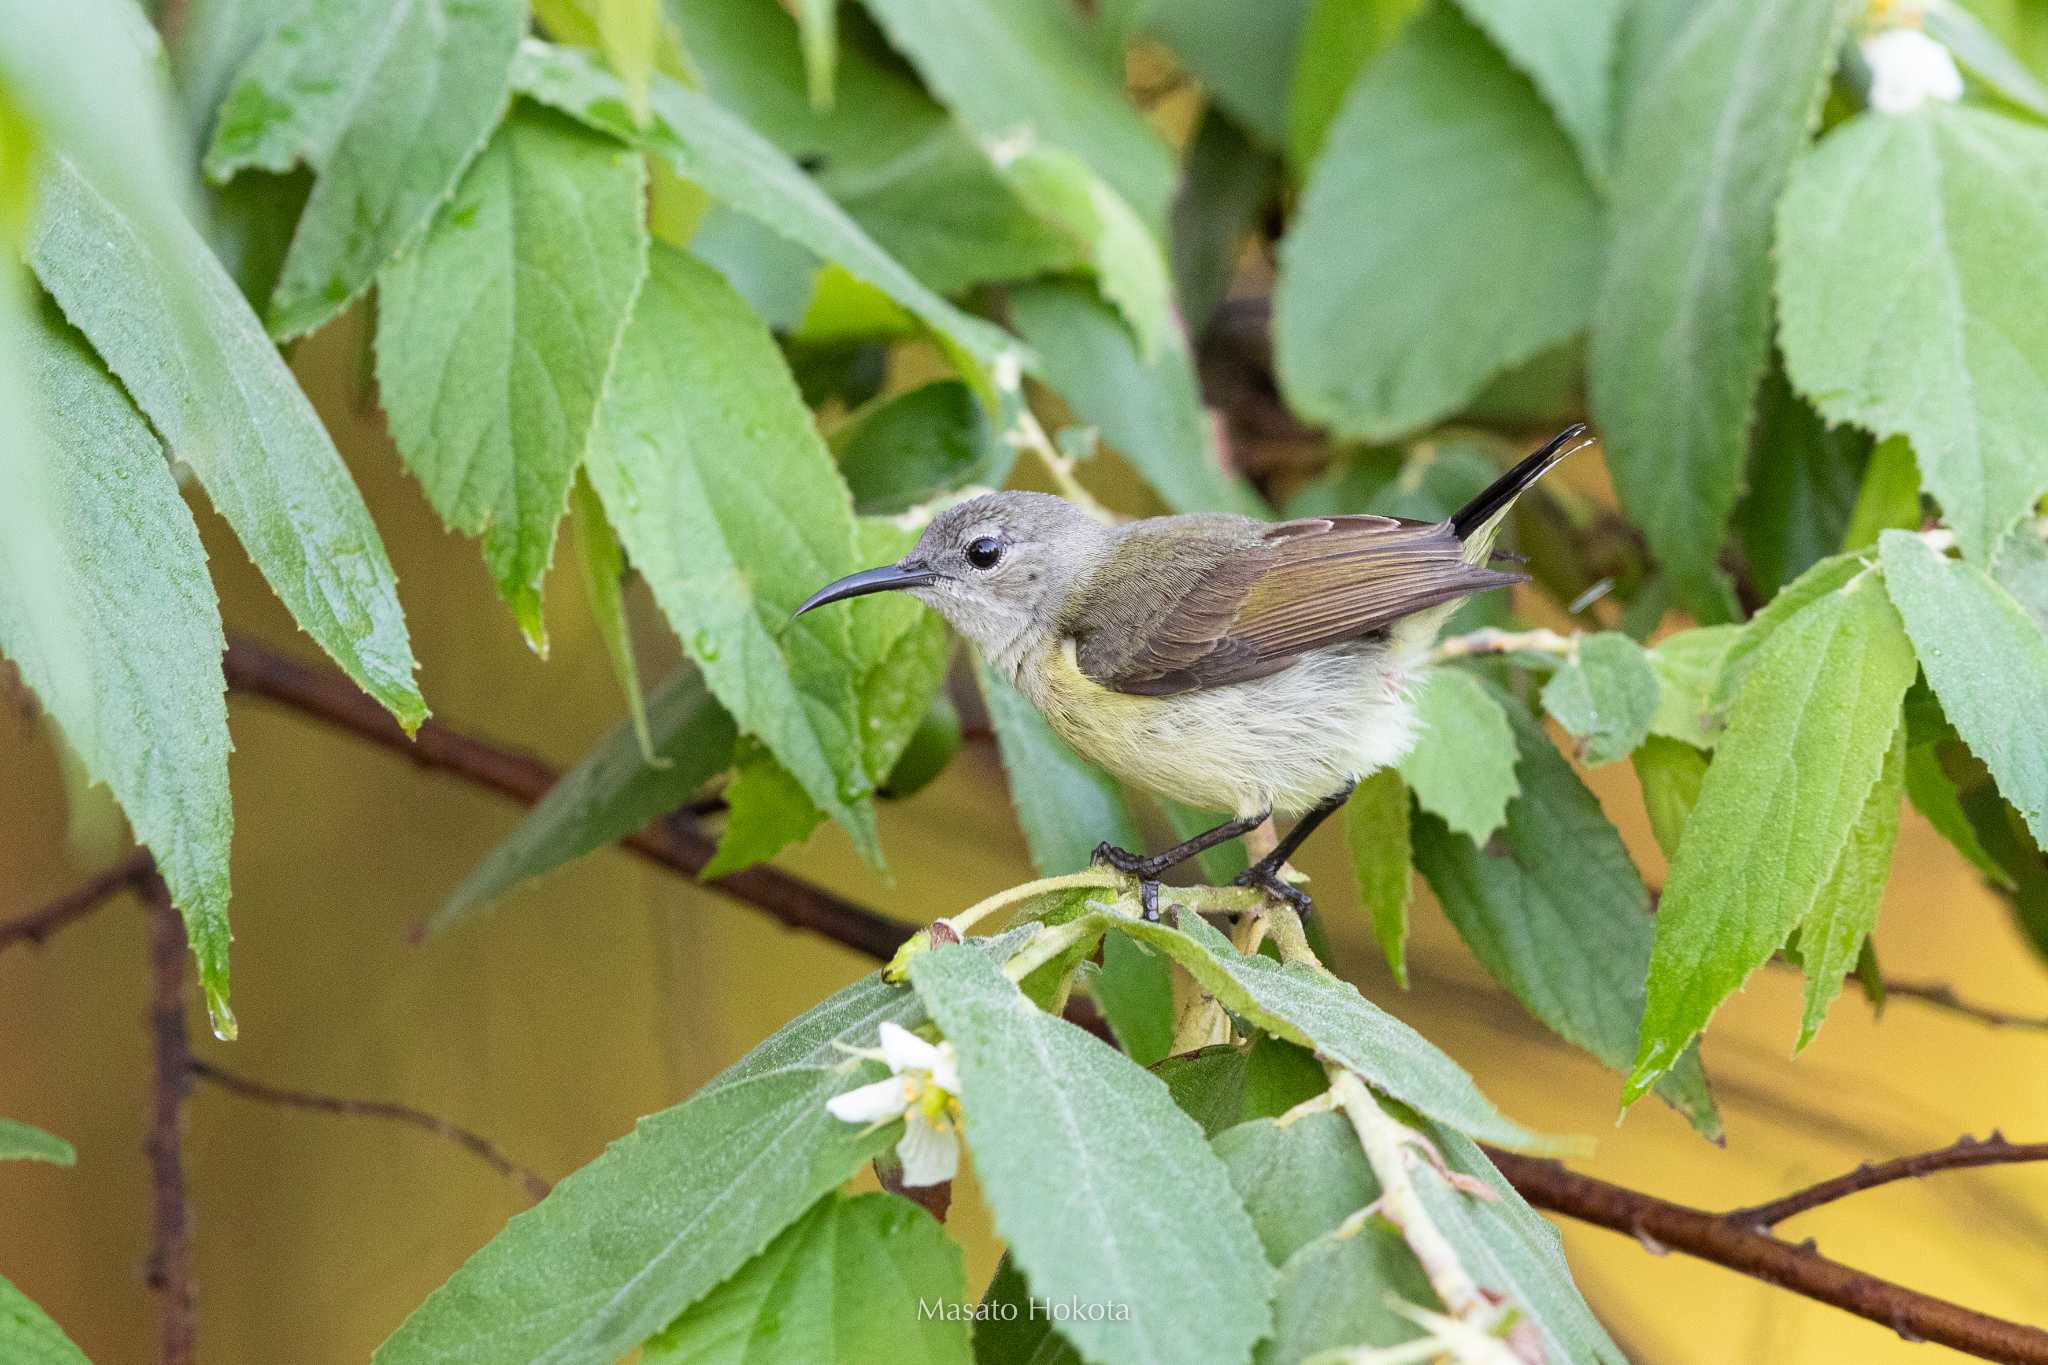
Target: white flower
(1907,69)
(922,1089)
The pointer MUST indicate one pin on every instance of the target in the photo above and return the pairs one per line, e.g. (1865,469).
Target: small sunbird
(1227,663)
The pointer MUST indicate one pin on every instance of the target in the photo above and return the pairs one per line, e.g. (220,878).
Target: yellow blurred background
(610,990)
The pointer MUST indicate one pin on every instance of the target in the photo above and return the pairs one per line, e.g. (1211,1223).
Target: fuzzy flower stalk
(922,1089)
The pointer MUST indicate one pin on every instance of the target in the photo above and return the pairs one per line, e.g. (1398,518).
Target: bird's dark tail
(1478,521)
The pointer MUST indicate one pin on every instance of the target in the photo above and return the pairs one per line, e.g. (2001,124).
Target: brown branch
(36,927)
(1662,1225)
(170,1257)
(480,1146)
(675,843)
(1941,995)
(1964,1152)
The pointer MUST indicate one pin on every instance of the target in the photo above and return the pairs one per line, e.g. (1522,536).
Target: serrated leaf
(632,35)
(21,1142)
(766,812)
(2021,568)
(856,1278)
(1567,47)
(909,447)
(670,1211)
(1560,916)
(1606,694)
(1376,823)
(496,332)
(1910,303)
(1011,66)
(901,647)
(709,146)
(28,1336)
(1299,1180)
(612,791)
(730,546)
(1933,793)
(1462,767)
(1335,1294)
(1309,1007)
(1101,1187)
(1745,644)
(1670,772)
(1149,410)
(1803,481)
(1986,659)
(106,608)
(1688,665)
(173,327)
(1065,805)
(387,102)
(1682,322)
(1404,222)
(1806,741)
(603,563)
(1836,931)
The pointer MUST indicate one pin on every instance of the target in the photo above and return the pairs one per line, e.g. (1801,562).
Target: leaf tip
(217,1012)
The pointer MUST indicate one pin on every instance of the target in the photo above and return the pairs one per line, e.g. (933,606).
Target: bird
(1227,663)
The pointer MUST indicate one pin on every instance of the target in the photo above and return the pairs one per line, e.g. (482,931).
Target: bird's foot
(1148,901)
(1266,877)
(1129,863)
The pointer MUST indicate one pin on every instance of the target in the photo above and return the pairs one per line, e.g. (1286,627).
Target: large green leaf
(1462,767)
(1446,234)
(28,1336)
(1560,915)
(1336,1294)
(901,647)
(106,608)
(2021,568)
(1149,410)
(1244,55)
(1804,476)
(1338,39)
(1986,659)
(729,503)
(1307,1006)
(1567,47)
(706,144)
(1606,694)
(1834,932)
(670,1211)
(1017,66)
(170,323)
(1806,741)
(1065,805)
(1298,1180)
(21,1142)
(496,332)
(1102,1188)
(1688,666)
(910,447)
(1008,1332)
(387,100)
(1376,826)
(870,1277)
(1681,327)
(1911,303)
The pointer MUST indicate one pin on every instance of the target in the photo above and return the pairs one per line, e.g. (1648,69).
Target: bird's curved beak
(885,579)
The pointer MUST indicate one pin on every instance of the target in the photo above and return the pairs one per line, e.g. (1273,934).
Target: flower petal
(905,1051)
(946,1069)
(875,1103)
(930,1154)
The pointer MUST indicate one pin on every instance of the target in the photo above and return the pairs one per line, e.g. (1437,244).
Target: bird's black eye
(983,552)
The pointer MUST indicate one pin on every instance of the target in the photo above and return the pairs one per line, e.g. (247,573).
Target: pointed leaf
(603,562)
(910,447)
(1834,934)
(1804,476)
(1687,666)
(20,1142)
(1567,47)
(765,812)
(1462,767)
(1670,772)
(1377,822)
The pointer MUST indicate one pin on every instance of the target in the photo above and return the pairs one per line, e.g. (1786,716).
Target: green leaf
(1803,479)
(1207,1084)
(2021,568)
(28,1336)
(495,334)
(1408,220)
(1334,1295)
(1009,1332)
(1101,1188)
(1561,916)
(1225,184)
(630,33)
(1567,47)
(1682,322)
(817,23)
(1833,934)
(1933,793)
(387,102)
(766,812)
(730,546)
(1149,410)
(1338,39)
(709,146)
(611,792)
(1016,66)
(928,751)
(901,647)
(1298,1180)
(856,1278)
(670,1211)
(1376,822)
(1134,989)
(106,608)
(603,562)
(1910,304)
(1986,660)
(216,390)
(1065,805)
(1688,664)
(1606,694)
(1670,772)
(1244,55)
(1462,767)
(1979,52)
(1309,1007)
(910,447)
(1745,645)
(20,1142)
(1889,498)
(1806,741)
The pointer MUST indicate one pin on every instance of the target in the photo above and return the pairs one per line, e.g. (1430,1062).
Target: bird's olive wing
(1299,586)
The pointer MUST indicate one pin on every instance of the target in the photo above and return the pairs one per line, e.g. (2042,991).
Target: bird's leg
(1265,873)
(1147,867)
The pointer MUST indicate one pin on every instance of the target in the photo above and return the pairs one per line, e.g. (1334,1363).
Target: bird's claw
(1269,880)
(1122,859)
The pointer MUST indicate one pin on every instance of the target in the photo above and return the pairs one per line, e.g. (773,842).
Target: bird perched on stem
(1227,663)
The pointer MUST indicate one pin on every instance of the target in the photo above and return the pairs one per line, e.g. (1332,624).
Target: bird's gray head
(999,568)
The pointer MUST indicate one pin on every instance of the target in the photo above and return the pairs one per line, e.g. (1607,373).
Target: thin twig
(478,1145)
(1964,1152)
(1489,641)
(1941,995)
(37,926)
(170,1257)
